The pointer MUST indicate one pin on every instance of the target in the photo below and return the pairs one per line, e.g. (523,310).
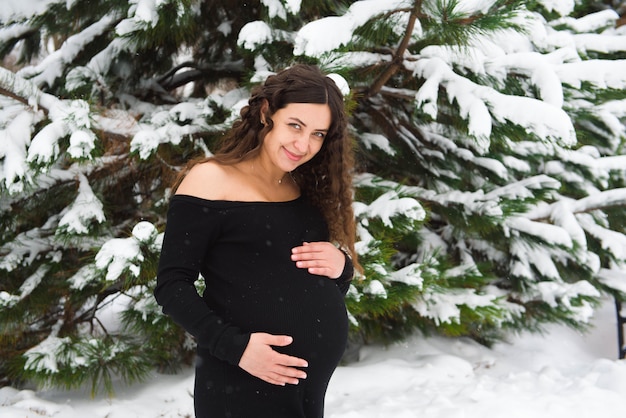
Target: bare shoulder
(208,180)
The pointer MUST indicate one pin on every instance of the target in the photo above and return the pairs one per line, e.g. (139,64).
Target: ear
(264,108)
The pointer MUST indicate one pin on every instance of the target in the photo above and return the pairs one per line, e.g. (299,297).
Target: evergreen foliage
(490,190)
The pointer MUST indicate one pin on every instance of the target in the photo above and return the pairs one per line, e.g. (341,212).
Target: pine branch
(20,89)
(396,62)
(615,198)
(12,95)
(174,79)
(26,92)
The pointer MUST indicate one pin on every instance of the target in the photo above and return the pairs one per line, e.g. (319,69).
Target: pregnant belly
(310,309)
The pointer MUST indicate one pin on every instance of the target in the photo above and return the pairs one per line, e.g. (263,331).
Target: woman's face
(297,135)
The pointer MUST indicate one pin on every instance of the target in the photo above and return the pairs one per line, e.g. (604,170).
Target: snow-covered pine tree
(79,206)
(506,120)
(490,193)
(494,115)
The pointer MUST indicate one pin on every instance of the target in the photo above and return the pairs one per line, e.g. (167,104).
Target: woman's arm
(188,234)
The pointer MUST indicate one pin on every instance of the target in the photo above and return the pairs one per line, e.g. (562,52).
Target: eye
(320,135)
(295,125)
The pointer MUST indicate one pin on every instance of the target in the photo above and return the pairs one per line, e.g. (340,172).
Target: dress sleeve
(189,232)
(343,281)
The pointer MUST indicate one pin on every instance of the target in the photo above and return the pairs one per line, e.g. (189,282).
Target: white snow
(119,255)
(410,275)
(253,34)
(370,141)
(390,204)
(563,7)
(85,209)
(43,356)
(52,67)
(276,8)
(16,9)
(27,287)
(313,40)
(446,307)
(146,11)
(591,22)
(376,288)
(18,129)
(561,374)
(602,74)
(342,83)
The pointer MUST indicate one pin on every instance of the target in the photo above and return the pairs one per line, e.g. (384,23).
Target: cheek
(316,146)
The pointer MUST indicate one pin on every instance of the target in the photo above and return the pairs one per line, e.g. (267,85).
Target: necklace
(280,180)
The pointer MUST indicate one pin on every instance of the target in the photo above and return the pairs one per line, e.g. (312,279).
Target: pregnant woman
(268,223)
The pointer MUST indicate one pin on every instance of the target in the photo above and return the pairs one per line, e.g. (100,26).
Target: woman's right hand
(261,360)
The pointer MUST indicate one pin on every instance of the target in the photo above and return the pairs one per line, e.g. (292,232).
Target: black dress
(243,251)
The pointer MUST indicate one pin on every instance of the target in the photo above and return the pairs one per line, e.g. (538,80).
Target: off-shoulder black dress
(243,251)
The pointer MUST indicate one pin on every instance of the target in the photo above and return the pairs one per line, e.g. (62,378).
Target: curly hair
(326,180)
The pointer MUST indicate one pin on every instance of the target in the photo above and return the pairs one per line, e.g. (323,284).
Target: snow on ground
(562,374)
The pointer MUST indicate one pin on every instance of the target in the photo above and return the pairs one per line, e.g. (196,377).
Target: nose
(301,143)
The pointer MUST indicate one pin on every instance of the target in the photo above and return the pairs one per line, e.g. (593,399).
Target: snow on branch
(381,142)
(612,114)
(25,248)
(410,275)
(85,209)
(613,278)
(602,200)
(526,255)
(172,125)
(67,118)
(523,189)
(54,65)
(561,294)
(120,255)
(275,8)
(616,162)
(612,242)
(14,31)
(539,68)
(97,67)
(603,74)
(312,39)
(15,138)
(8,300)
(589,23)
(43,356)
(563,8)
(606,44)
(254,34)
(479,104)
(389,205)
(445,307)
(83,277)
(25,91)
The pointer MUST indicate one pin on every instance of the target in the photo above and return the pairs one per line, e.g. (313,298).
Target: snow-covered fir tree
(490,188)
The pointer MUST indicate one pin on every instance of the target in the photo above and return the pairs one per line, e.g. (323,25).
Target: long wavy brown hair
(325,180)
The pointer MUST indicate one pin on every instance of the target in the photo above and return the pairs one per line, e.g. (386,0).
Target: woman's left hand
(321,258)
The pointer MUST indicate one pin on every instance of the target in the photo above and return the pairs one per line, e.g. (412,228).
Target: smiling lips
(291,156)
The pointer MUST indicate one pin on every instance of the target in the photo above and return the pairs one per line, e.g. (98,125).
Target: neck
(269,176)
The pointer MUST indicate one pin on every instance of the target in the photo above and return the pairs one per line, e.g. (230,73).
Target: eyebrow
(304,124)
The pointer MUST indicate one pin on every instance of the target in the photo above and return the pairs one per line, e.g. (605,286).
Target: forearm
(181,302)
